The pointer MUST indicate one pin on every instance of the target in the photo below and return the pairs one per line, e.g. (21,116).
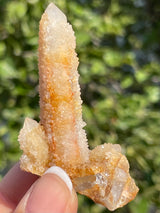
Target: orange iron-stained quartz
(60,103)
(59,139)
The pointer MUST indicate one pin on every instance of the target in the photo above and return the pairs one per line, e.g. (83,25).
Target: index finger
(13,187)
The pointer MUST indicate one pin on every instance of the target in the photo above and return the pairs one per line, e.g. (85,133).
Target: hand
(22,192)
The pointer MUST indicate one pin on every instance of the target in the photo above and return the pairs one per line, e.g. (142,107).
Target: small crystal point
(54,13)
(29,125)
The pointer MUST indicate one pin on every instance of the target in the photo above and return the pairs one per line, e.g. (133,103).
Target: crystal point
(54,13)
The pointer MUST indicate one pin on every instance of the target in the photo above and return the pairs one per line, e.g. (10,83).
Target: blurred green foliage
(119,51)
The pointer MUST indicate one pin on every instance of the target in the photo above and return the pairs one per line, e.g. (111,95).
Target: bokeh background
(118,43)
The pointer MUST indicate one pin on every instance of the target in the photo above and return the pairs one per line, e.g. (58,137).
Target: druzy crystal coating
(59,138)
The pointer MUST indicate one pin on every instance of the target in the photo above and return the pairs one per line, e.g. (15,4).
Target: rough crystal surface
(33,142)
(60,102)
(59,139)
(109,179)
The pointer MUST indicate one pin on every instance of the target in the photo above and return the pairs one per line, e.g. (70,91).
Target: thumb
(51,193)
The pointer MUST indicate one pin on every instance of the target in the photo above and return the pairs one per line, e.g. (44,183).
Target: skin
(22,192)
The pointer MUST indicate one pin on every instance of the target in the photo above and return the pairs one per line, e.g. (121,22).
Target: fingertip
(61,174)
(50,193)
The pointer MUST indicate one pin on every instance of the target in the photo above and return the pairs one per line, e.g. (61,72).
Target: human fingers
(13,187)
(51,193)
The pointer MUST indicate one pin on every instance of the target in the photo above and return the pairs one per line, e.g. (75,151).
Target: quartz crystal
(59,138)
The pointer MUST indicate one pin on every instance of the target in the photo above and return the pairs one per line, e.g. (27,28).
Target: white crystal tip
(54,13)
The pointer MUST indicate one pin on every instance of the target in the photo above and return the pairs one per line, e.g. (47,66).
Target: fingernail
(62,174)
(51,193)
